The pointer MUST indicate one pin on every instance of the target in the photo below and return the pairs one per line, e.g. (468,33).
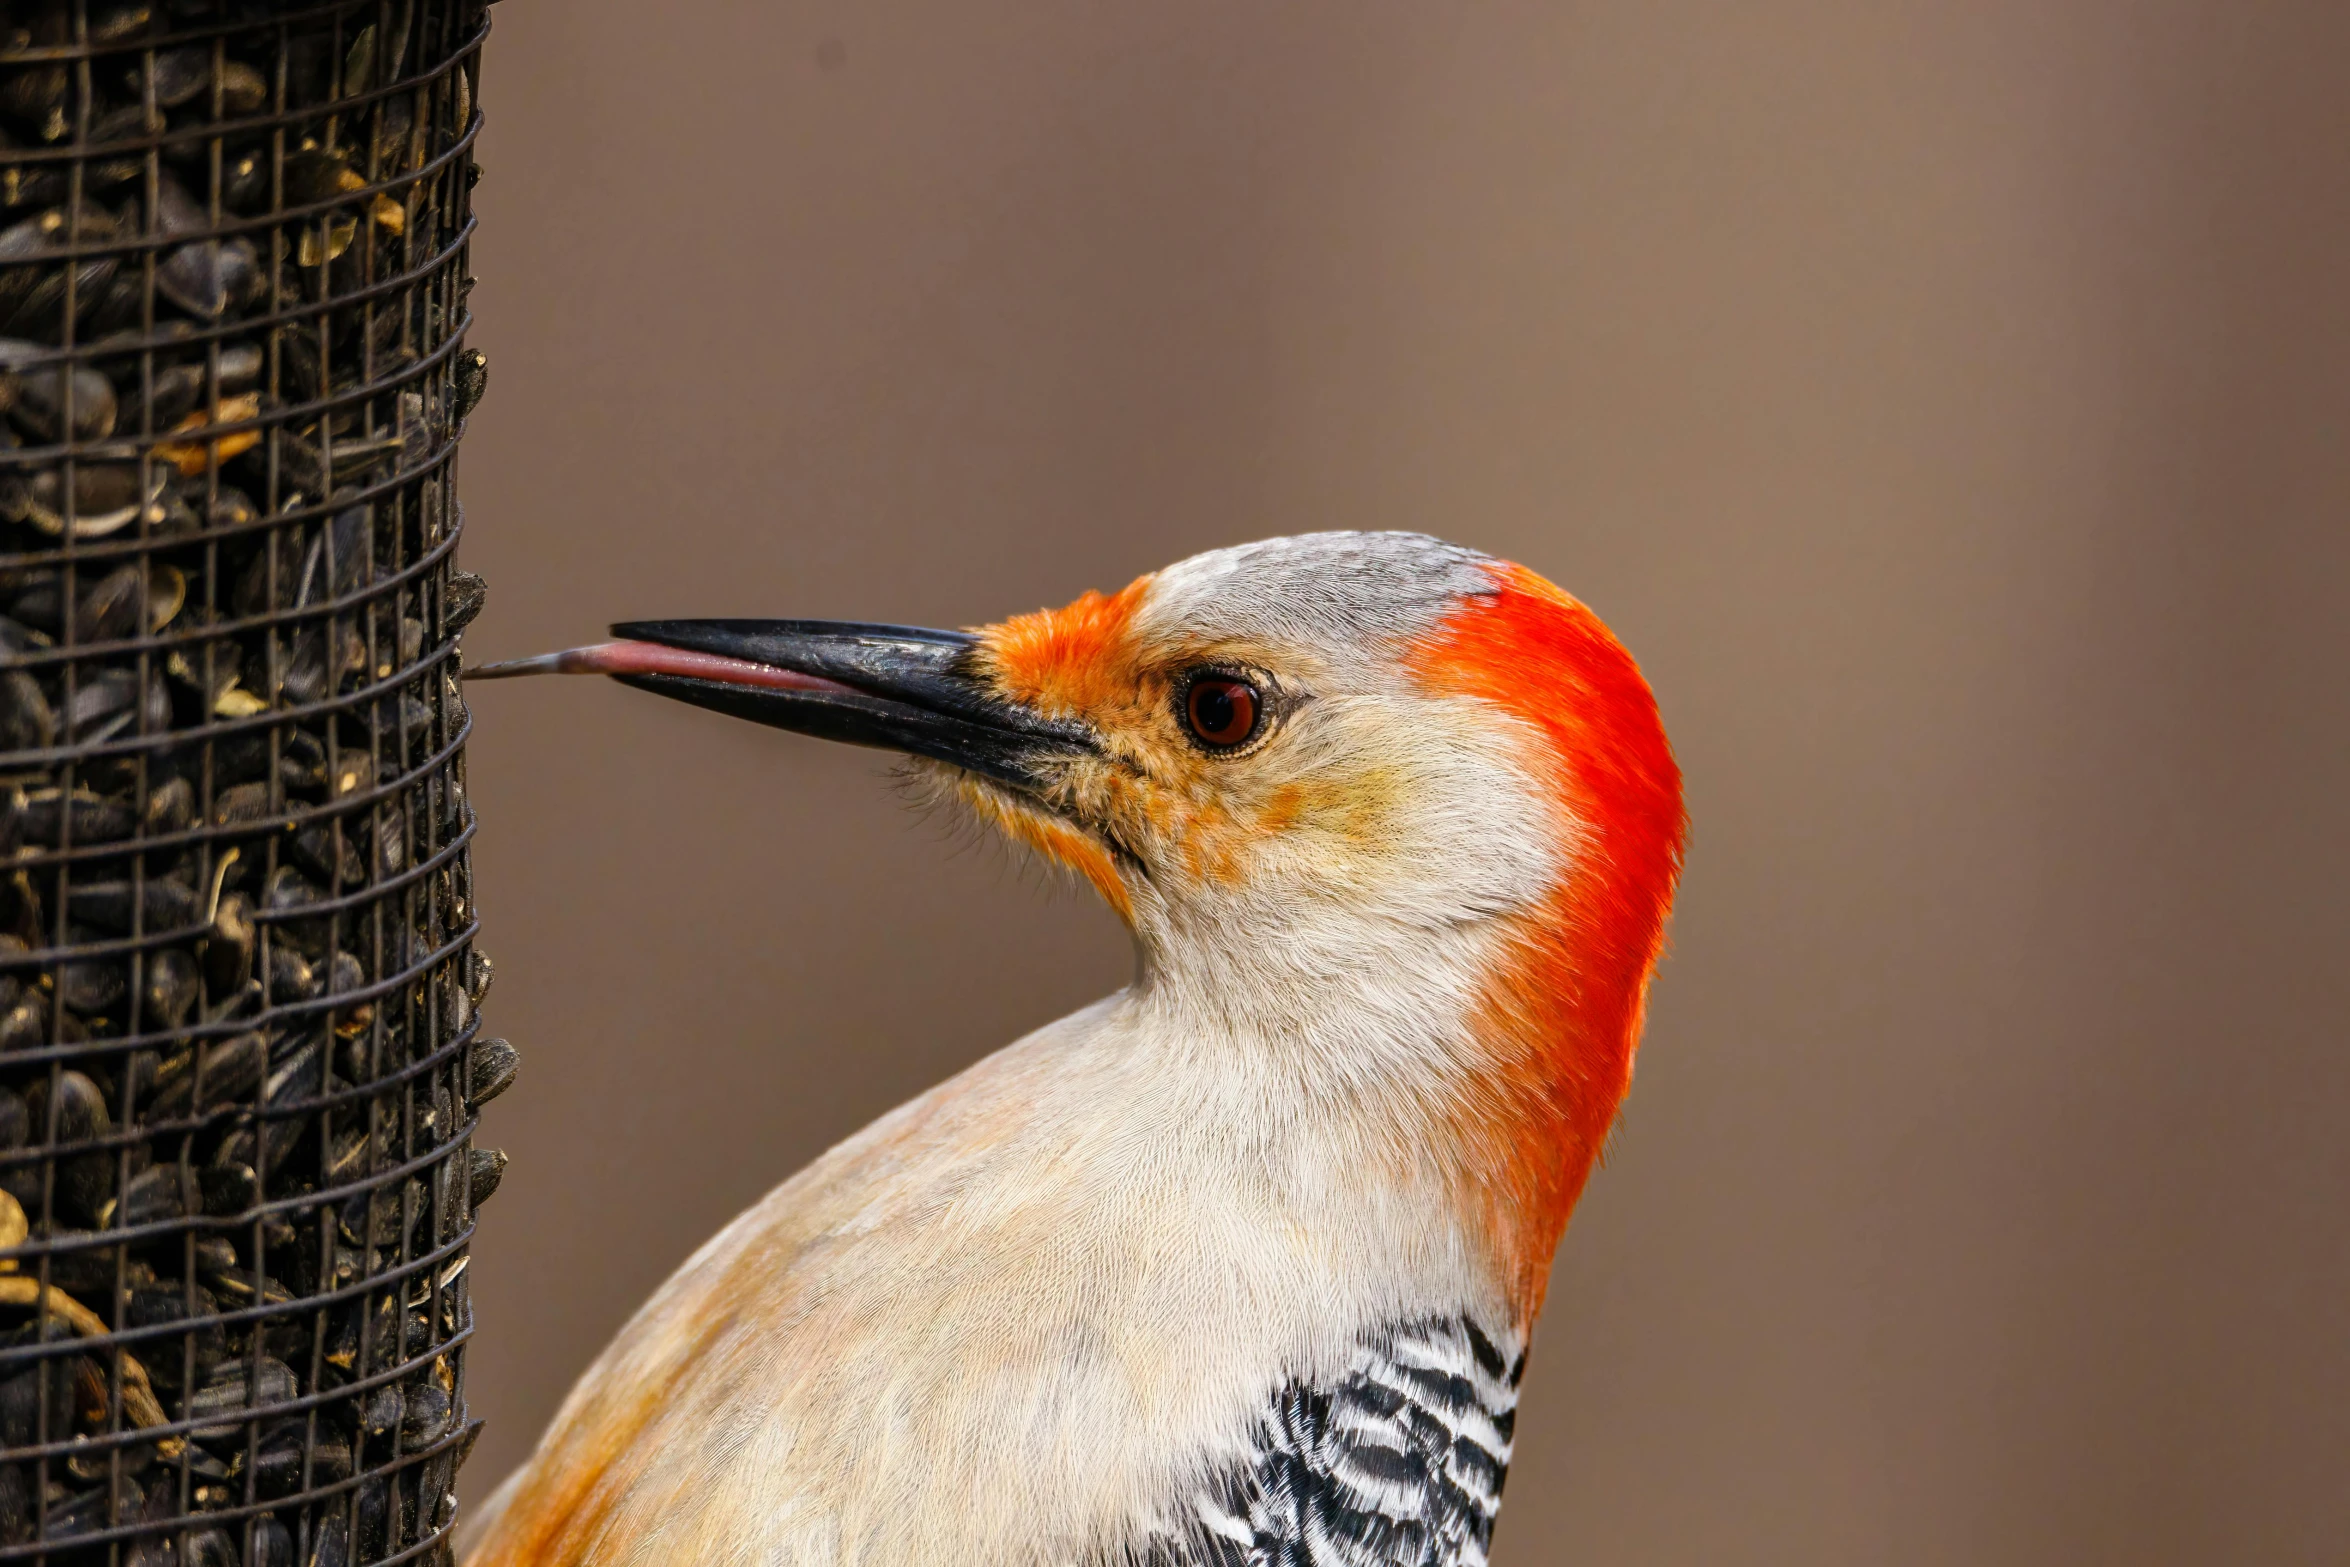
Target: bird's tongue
(653,658)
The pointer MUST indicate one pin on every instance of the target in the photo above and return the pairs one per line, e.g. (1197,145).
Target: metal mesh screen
(238,996)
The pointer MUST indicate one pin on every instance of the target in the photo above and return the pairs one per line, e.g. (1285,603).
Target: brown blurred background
(1946,402)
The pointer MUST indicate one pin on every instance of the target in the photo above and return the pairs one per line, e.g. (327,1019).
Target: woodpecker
(1239,1265)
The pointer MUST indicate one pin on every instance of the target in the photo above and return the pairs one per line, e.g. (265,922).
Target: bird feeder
(238,992)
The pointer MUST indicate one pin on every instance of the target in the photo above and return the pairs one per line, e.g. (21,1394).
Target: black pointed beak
(901,688)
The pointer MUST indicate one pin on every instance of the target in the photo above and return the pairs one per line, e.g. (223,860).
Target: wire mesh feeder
(238,996)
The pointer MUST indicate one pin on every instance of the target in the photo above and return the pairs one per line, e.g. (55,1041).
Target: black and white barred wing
(1399,1464)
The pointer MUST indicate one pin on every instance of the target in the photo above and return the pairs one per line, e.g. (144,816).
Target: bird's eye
(1221,711)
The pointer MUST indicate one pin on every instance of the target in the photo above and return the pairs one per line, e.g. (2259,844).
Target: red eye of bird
(1220,711)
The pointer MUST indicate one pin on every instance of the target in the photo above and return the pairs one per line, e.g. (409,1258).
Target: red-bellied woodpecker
(1238,1265)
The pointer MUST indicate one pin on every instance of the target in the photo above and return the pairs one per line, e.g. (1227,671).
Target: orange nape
(1563,1015)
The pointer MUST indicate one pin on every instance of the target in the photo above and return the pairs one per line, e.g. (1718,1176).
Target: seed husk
(191,454)
(159,905)
(229,944)
(43,816)
(208,1075)
(106,498)
(486,1170)
(495,1066)
(39,390)
(26,721)
(113,609)
(467,594)
(164,1191)
(172,989)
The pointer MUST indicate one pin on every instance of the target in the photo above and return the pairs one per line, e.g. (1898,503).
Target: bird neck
(1489,1057)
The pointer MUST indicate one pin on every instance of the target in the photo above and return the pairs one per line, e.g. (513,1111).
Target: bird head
(1362,797)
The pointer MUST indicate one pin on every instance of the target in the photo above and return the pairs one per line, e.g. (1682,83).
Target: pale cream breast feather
(1020,1311)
